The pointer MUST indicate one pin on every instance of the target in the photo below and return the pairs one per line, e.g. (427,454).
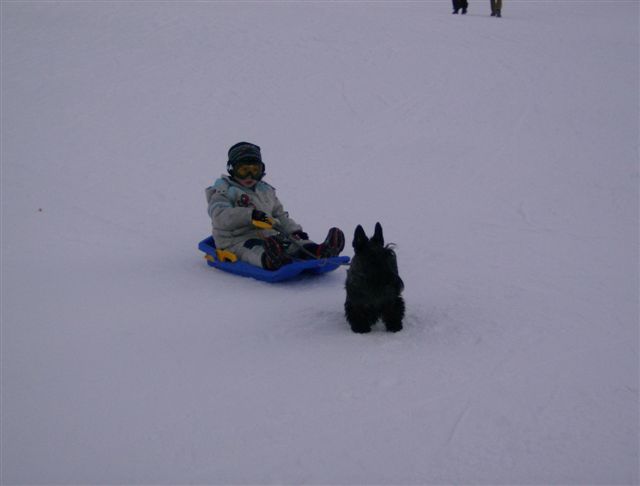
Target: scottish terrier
(373,284)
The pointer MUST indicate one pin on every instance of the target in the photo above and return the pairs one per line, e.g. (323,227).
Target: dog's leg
(359,319)
(393,314)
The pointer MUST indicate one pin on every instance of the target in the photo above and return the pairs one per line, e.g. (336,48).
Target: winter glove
(300,235)
(260,219)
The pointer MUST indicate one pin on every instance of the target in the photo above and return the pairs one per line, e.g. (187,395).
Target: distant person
(248,219)
(460,4)
(496,8)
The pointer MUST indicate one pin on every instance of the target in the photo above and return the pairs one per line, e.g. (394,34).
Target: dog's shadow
(332,322)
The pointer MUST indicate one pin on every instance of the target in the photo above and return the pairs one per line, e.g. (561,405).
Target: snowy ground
(500,155)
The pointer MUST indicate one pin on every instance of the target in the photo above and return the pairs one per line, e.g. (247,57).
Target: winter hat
(244,153)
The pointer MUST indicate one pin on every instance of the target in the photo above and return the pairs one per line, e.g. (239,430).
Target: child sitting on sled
(248,219)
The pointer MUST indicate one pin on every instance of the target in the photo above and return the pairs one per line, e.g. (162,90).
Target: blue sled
(292,270)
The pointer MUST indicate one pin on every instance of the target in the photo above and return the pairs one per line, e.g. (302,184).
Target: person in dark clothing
(460,4)
(496,8)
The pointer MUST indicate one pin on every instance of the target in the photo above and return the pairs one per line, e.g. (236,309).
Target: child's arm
(223,213)
(286,223)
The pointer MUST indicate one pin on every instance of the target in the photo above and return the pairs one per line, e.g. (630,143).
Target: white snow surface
(500,155)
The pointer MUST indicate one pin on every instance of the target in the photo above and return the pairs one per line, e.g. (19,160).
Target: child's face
(248,174)
(247,182)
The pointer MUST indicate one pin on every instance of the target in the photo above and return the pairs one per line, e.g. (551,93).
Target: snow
(500,155)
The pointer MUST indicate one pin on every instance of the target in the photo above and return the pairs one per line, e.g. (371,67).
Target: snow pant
(496,6)
(458,4)
(251,250)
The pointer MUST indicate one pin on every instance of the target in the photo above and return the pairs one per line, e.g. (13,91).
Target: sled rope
(287,235)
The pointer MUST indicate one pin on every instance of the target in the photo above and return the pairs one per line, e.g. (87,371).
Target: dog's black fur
(373,284)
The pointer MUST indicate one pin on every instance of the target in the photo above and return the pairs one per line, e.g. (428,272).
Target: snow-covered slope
(500,155)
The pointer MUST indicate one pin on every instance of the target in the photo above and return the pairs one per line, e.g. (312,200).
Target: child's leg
(330,247)
(298,248)
(267,253)
(249,251)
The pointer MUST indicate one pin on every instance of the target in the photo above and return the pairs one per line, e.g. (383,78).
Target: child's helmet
(244,153)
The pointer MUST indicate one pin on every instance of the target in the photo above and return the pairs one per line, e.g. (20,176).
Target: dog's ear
(360,239)
(378,239)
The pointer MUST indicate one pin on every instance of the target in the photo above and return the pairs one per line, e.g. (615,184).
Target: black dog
(373,284)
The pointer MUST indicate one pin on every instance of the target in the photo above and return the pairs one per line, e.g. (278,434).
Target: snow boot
(464,11)
(274,255)
(332,245)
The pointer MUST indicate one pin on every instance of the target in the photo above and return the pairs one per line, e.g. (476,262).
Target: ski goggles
(248,170)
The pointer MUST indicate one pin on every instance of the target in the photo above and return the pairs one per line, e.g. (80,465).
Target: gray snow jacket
(230,208)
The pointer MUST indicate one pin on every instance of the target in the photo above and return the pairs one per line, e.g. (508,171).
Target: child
(248,219)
